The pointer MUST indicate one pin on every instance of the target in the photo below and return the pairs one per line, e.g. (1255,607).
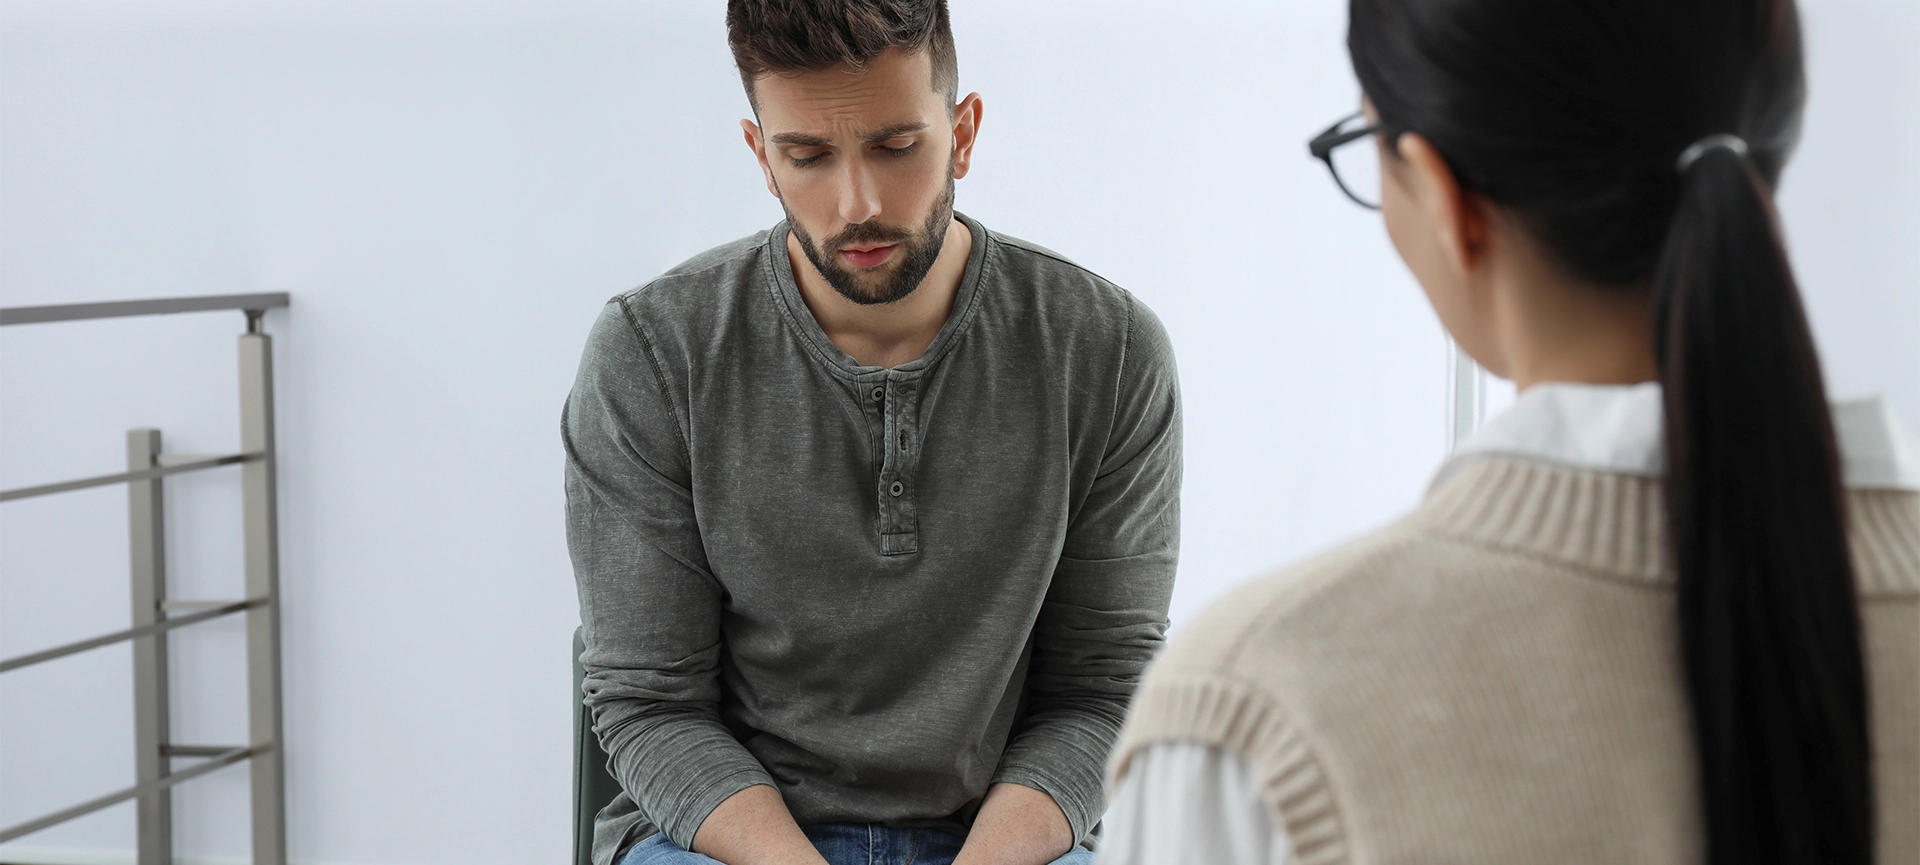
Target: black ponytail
(1769,626)
(1571,114)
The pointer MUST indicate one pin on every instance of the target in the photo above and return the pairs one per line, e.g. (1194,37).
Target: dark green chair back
(593,785)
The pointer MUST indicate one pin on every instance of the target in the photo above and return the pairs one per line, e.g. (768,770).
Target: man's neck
(886,334)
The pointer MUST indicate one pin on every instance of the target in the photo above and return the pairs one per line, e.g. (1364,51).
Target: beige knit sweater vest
(1496,679)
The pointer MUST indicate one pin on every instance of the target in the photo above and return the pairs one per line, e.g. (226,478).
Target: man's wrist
(1017,824)
(754,827)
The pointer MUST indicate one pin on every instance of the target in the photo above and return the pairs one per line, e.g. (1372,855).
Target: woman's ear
(1459,216)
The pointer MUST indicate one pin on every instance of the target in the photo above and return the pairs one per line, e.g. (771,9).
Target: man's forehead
(892,91)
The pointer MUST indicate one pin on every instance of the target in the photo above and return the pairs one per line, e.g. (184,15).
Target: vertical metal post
(1466,395)
(263,581)
(146,521)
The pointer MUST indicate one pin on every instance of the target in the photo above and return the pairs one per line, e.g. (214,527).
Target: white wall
(451,189)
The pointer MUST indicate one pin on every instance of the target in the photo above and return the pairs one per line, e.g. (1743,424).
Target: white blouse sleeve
(1185,802)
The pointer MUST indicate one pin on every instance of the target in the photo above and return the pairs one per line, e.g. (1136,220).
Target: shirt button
(897,488)
(879,393)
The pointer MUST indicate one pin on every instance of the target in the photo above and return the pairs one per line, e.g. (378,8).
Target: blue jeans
(845,844)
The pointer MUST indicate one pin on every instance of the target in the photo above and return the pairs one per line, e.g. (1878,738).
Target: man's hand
(754,827)
(1016,826)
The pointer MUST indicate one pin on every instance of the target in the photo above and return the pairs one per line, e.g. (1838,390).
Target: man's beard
(916,256)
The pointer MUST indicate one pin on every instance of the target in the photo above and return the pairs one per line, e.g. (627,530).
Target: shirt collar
(786,292)
(1617,428)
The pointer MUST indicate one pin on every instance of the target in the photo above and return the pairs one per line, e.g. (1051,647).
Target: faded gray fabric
(880,590)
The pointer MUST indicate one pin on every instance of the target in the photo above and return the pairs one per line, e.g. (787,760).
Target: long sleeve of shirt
(1182,802)
(1106,609)
(649,604)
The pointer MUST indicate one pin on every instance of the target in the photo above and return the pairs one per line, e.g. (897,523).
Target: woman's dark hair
(1572,114)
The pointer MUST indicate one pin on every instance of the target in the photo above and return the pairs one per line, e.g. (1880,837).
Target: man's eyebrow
(801,139)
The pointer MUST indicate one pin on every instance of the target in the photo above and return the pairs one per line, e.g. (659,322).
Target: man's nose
(859,198)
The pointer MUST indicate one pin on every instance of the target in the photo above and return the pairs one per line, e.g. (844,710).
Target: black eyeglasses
(1355,169)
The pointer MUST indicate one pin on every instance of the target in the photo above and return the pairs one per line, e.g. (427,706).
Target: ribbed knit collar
(1572,473)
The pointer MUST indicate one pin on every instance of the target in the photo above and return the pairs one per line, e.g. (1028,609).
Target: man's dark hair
(785,37)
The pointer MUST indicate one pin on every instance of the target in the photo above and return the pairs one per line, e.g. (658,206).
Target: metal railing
(1466,395)
(154,614)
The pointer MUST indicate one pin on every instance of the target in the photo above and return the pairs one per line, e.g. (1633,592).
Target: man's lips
(870,257)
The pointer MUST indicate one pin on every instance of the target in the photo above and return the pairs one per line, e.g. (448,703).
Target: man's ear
(966,130)
(1459,216)
(759,147)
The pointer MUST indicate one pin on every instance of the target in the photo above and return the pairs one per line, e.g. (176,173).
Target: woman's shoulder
(1416,606)
(1220,682)
(1353,582)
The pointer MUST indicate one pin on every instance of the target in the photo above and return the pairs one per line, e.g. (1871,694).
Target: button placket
(899,517)
(869,397)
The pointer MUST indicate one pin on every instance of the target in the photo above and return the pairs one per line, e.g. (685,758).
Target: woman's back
(1497,677)
(1558,657)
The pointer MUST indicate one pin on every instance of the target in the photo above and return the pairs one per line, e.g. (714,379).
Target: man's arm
(1016,826)
(1105,612)
(754,827)
(650,610)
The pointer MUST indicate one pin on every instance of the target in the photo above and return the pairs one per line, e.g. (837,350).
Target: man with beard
(874,515)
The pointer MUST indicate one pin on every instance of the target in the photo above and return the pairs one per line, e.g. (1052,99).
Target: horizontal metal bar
(197,750)
(226,758)
(123,308)
(183,459)
(127,477)
(129,634)
(171,606)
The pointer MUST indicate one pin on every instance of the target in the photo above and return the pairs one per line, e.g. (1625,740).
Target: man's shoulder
(701,285)
(1022,261)
(1067,297)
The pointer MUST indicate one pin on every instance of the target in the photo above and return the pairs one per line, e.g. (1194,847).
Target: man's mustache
(868,232)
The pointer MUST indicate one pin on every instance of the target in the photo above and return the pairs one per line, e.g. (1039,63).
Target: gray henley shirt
(879,590)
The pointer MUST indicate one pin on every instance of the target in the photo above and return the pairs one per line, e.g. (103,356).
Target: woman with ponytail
(1666,609)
